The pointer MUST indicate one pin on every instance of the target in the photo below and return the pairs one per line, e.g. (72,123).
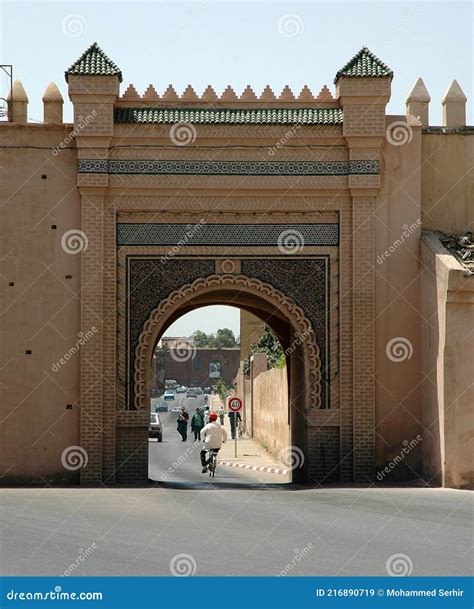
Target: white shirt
(213,435)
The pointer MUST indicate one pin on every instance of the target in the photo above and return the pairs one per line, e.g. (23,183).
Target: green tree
(200,339)
(269,344)
(224,337)
(223,390)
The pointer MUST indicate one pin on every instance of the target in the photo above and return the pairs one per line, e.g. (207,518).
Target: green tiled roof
(364,63)
(264,116)
(94,62)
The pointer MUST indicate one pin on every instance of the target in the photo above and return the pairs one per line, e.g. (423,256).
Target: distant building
(176,342)
(203,367)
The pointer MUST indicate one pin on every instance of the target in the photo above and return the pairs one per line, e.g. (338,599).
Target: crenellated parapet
(228,98)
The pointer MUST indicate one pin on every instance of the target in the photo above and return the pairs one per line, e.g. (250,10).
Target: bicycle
(212,461)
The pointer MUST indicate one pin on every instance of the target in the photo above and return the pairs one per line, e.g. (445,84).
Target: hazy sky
(207,319)
(241,43)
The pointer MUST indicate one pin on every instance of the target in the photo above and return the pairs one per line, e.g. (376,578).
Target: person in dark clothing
(234,418)
(197,423)
(183,419)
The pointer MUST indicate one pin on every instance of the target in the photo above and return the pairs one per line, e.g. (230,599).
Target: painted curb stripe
(256,468)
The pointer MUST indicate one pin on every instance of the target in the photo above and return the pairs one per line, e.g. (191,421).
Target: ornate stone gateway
(264,203)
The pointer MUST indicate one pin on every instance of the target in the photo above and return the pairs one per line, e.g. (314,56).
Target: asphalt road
(239,523)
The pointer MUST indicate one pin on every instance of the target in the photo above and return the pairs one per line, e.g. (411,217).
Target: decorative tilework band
(270,168)
(283,235)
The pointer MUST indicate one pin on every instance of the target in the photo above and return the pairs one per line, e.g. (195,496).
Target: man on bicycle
(213,436)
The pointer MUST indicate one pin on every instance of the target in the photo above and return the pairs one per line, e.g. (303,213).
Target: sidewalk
(250,455)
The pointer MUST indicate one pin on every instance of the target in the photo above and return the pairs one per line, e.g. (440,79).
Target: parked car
(181,389)
(199,390)
(169,394)
(161,406)
(192,392)
(154,429)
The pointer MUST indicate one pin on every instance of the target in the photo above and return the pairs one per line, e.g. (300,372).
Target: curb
(255,468)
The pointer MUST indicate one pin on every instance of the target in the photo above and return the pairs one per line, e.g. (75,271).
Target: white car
(169,394)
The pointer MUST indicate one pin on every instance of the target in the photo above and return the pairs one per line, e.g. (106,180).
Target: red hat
(213,416)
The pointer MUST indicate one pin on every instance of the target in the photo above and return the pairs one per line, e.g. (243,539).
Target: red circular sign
(235,404)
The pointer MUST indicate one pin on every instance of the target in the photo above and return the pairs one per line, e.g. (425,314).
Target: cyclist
(213,436)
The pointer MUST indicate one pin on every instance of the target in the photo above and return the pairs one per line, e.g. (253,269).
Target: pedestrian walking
(197,423)
(206,415)
(221,414)
(183,419)
(234,418)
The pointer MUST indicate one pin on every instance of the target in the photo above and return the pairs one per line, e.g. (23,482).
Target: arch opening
(286,320)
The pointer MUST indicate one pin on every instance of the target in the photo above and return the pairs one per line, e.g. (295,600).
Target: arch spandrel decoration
(248,285)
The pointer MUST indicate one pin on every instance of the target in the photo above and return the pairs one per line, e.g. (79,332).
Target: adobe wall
(447,180)
(40,394)
(448,353)
(270,410)
(397,299)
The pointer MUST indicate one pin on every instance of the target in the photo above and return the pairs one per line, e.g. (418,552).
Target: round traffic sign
(235,404)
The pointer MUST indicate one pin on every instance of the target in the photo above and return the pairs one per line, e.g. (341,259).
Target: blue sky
(240,43)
